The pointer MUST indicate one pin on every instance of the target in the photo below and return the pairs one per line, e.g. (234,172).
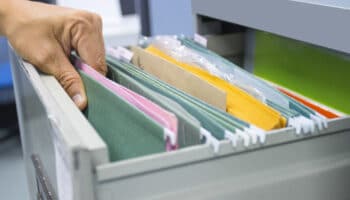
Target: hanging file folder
(305,119)
(239,103)
(212,119)
(179,78)
(127,132)
(189,126)
(164,118)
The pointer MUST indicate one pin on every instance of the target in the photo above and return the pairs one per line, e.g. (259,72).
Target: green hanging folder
(160,87)
(127,132)
(211,119)
(189,127)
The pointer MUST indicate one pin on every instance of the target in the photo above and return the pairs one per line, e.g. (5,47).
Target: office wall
(3,50)
(171,17)
(5,73)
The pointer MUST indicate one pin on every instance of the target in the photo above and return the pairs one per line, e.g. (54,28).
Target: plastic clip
(232,137)
(259,132)
(171,135)
(244,136)
(210,139)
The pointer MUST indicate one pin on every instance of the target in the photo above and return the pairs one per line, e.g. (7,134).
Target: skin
(45,35)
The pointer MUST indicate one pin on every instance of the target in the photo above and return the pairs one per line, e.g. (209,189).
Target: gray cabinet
(69,150)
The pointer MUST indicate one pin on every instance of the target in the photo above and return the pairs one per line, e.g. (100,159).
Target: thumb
(70,80)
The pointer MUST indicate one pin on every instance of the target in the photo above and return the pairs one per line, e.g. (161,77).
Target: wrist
(9,14)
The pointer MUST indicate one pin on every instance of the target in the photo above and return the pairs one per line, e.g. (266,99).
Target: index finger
(90,44)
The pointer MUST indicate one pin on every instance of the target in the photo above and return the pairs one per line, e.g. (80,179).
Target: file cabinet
(62,148)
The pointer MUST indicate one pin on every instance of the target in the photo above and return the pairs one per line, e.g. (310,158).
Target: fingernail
(78,99)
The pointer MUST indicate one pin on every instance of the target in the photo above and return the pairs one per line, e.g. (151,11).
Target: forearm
(8,14)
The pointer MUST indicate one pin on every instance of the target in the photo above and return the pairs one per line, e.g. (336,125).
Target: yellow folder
(239,103)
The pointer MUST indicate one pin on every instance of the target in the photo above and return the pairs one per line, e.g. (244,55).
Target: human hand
(46,34)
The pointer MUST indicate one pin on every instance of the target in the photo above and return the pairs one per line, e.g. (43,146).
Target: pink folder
(165,118)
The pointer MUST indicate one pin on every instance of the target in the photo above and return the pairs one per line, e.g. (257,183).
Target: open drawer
(74,160)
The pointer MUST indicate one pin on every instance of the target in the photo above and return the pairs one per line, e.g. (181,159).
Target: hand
(46,34)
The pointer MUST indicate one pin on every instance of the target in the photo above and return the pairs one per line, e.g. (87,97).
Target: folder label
(179,78)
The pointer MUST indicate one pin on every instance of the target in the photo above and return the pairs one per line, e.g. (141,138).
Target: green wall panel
(318,73)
